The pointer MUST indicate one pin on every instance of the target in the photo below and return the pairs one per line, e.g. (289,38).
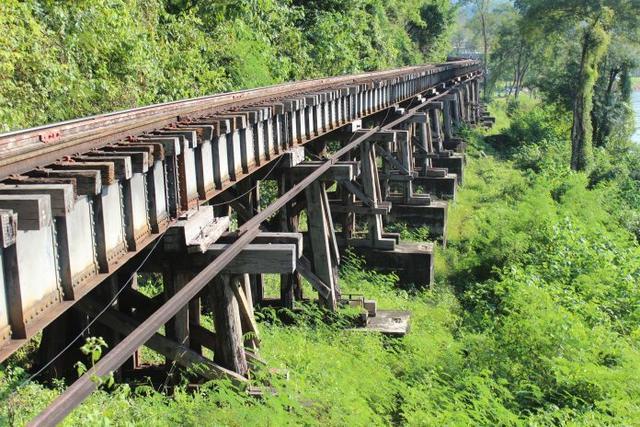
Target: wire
(86,328)
(115,297)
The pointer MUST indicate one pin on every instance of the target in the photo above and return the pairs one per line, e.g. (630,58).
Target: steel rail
(85,385)
(24,150)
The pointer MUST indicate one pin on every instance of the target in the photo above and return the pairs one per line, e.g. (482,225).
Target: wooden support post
(371,186)
(322,237)
(425,144)
(242,291)
(229,352)
(385,187)
(403,141)
(252,200)
(436,127)
(448,117)
(177,328)
(290,284)
(195,311)
(348,199)
(106,292)
(125,306)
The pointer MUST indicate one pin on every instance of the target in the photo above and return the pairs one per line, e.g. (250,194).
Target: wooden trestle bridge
(88,205)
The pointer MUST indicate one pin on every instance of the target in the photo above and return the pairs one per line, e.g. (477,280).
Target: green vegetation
(62,60)
(577,54)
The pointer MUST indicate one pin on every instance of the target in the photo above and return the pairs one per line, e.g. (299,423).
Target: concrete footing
(441,187)
(455,144)
(454,164)
(412,262)
(433,216)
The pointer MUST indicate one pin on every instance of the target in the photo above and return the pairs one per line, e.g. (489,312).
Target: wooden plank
(107,169)
(195,230)
(34,210)
(268,237)
(253,259)
(87,182)
(122,164)
(140,157)
(62,195)
(341,171)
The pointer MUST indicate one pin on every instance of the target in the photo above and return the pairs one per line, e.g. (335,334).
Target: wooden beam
(304,268)
(269,238)
(229,351)
(391,159)
(253,259)
(246,309)
(378,136)
(341,171)
(359,193)
(382,209)
(195,230)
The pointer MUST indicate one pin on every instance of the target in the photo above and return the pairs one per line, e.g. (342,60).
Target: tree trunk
(594,43)
(578,134)
(485,42)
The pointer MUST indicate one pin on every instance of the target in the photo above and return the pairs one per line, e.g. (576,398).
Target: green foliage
(62,60)
(548,281)
(93,348)
(578,54)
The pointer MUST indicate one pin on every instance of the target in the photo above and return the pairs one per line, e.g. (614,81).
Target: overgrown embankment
(535,318)
(63,60)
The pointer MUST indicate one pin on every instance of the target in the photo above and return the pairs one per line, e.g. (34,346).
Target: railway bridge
(88,207)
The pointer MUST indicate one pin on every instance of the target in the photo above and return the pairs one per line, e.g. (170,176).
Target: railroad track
(83,203)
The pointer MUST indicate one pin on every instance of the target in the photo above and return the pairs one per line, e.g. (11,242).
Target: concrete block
(412,262)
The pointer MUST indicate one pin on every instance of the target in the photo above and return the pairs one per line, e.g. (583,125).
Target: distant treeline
(64,59)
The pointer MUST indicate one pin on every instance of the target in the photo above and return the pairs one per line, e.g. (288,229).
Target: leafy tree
(515,53)
(591,22)
(612,115)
